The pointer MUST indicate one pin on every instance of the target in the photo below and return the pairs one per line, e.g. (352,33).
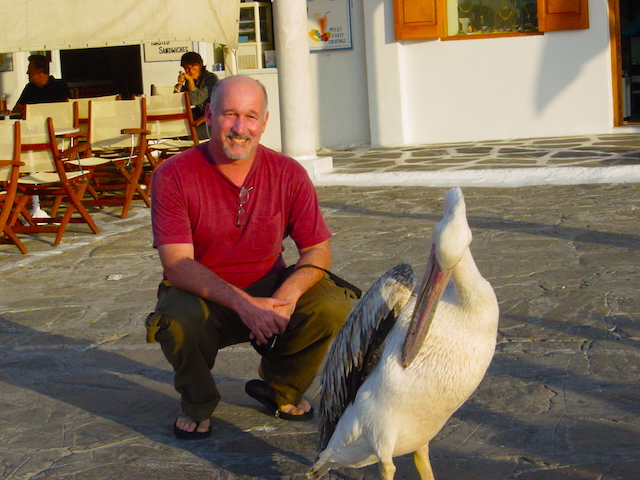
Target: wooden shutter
(418,19)
(562,15)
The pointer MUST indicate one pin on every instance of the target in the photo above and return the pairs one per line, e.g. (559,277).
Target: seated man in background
(219,214)
(42,87)
(199,82)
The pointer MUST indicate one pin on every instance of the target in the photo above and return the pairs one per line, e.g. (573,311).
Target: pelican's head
(450,240)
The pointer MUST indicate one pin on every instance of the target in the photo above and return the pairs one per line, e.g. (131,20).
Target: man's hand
(265,317)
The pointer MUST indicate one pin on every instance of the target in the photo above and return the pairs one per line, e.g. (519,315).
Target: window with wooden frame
(421,19)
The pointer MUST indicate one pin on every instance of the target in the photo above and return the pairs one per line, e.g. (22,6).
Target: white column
(298,105)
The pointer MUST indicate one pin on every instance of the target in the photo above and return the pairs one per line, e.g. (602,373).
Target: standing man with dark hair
(199,82)
(42,87)
(220,212)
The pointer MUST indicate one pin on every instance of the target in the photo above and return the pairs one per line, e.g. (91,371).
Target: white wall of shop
(384,92)
(435,91)
(341,85)
(163,74)
(13,81)
(534,86)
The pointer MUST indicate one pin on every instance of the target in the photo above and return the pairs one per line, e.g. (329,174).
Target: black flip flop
(260,391)
(195,435)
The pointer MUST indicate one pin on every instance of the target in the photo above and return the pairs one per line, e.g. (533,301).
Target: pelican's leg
(387,469)
(421,459)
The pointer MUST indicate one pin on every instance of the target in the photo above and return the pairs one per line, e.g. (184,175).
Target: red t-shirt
(194,202)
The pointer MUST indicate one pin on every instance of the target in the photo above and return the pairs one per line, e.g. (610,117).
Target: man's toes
(185,424)
(292,409)
(304,405)
(204,426)
(300,409)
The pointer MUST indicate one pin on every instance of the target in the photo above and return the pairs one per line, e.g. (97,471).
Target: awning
(32,25)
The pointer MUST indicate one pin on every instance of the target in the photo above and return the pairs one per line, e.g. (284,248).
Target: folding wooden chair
(48,178)
(65,115)
(9,171)
(161,90)
(117,137)
(171,126)
(83,108)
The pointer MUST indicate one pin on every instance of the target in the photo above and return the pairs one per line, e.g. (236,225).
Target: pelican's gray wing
(356,349)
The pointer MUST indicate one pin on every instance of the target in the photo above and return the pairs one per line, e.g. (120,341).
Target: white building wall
(385,75)
(341,90)
(163,74)
(554,84)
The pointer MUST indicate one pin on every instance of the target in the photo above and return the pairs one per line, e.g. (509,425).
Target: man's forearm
(192,276)
(302,279)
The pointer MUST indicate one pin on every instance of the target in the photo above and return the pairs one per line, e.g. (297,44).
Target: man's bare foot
(187,429)
(300,409)
(289,408)
(185,424)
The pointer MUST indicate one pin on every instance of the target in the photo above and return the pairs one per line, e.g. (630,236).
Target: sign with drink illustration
(329,24)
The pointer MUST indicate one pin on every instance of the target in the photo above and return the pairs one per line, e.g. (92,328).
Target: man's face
(238,120)
(32,71)
(193,70)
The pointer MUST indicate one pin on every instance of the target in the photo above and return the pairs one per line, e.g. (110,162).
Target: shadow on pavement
(139,398)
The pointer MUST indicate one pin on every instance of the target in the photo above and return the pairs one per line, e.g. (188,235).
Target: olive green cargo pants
(191,330)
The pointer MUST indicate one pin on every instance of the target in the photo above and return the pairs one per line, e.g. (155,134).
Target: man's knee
(330,305)
(179,315)
(334,313)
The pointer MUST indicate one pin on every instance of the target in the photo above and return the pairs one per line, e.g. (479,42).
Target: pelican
(404,362)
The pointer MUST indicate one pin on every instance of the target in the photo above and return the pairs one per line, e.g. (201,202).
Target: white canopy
(31,25)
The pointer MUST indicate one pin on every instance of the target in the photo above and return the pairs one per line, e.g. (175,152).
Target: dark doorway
(630,49)
(93,72)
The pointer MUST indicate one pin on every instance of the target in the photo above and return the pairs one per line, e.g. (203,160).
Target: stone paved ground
(82,396)
(587,151)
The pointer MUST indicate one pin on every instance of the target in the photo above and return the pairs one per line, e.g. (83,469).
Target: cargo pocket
(154,323)
(157,321)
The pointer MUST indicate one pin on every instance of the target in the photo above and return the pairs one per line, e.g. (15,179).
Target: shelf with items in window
(491,17)
(466,19)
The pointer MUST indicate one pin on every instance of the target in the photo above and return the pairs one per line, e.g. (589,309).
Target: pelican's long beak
(433,286)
